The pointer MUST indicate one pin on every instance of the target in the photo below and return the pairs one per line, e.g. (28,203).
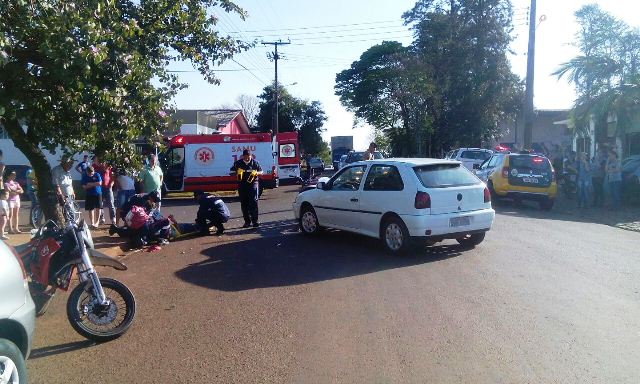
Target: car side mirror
(322,185)
(476,166)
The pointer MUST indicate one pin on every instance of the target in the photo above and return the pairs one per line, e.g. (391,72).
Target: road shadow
(60,348)
(567,210)
(284,257)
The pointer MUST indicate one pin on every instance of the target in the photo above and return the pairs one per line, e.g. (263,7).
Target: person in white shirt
(61,175)
(126,188)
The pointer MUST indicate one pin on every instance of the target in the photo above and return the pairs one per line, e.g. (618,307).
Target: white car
(399,200)
(470,157)
(17,317)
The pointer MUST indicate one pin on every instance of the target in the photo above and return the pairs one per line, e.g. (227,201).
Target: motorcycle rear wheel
(95,321)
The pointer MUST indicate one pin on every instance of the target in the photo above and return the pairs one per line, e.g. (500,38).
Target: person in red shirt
(106,172)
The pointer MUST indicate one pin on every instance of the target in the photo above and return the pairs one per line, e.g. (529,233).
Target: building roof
(210,118)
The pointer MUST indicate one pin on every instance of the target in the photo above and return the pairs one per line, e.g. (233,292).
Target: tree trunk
(46,192)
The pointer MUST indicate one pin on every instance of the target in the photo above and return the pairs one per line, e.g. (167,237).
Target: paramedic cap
(246,152)
(155,196)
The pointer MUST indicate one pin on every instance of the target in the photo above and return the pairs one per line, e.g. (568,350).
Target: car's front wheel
(471,240)
(309,224)
(395,236)
(12,365)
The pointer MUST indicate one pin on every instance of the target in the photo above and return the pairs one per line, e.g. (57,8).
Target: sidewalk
(111,246)
(626,217)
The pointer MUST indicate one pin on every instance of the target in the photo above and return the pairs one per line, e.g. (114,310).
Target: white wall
(195,129)
(13,156)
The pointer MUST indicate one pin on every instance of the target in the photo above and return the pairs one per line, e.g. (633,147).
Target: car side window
(349,179)
(383,178)
(494,161)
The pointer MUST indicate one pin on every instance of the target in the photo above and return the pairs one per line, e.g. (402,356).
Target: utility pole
(528,102)
(274,56)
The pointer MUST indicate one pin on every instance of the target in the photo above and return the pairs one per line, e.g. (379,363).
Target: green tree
(463,44)
(295,115)
(606,74)
(93,74)
(388,90)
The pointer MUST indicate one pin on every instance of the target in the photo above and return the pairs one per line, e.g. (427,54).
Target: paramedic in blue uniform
(248,171)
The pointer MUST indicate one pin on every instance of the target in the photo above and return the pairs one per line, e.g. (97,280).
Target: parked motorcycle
(100,309)
(307,183)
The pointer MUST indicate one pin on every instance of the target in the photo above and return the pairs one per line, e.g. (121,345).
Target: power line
(248,70)
(389,27)
(351,41)
(314,27)
(352,35)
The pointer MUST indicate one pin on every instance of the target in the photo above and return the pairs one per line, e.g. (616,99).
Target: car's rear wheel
(395,236)
(12,366)
(546,204)
(309,224)
(471,240)
(491,190)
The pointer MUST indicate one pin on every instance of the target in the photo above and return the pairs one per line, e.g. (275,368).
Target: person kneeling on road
(212,211)
(143,222)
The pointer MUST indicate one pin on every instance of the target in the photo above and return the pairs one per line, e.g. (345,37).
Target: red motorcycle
(100,309)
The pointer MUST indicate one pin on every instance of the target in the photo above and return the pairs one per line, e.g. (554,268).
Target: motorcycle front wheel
(96,321)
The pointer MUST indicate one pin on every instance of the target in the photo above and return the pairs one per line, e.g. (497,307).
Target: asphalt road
(545,299)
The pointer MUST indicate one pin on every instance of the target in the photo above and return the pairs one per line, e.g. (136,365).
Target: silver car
(17,318)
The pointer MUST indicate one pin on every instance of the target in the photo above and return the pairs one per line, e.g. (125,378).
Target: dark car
(316,163)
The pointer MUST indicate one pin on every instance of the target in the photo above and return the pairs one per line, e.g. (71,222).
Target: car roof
(412,162)
(474,149)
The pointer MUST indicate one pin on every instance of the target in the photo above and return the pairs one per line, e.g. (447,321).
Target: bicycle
(36,217)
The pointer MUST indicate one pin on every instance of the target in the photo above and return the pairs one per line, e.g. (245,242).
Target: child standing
(15,190)
(4,213)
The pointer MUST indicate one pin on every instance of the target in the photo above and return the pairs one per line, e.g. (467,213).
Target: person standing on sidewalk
(126,189)
(4,213)
(61,175)
(248,171)
(92,184)
(82,166)
(584,180)
(151,178)
(598,165)
(15,190)
(614,178)
(106,173)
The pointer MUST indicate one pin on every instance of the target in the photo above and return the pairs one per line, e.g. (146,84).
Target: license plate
(530,180)
(459,221)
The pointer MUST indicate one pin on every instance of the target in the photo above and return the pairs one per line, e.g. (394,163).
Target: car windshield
(529,162)
(445,175)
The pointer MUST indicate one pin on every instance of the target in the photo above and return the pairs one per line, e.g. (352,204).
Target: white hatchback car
(399,200)
(17,317)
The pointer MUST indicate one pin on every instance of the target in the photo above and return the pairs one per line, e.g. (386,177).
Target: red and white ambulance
(201,162)
(288,155)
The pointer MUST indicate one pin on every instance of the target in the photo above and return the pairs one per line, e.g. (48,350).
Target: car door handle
(354,200)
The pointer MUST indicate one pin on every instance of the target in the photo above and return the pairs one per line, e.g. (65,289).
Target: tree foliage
(93,74)
(294,115)
(606,74)
(451,87)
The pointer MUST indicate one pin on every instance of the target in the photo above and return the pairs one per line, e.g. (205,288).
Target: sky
(327,36)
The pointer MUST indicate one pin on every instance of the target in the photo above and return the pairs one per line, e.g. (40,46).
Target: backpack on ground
(136,218)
